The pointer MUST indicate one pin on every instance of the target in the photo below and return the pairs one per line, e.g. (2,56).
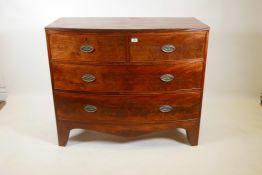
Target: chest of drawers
(127,76)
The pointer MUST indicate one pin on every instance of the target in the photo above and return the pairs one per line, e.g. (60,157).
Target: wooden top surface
(126,24)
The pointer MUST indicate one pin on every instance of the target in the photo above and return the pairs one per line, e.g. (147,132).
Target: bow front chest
(127,76)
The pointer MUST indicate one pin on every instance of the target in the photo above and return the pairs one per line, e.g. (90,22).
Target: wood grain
(115,78)
(127,91)
(126,108)
(189,45)
(98,24)
(130,130)
(107,48)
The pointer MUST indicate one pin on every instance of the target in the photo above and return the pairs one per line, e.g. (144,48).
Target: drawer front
(88,47)
(129,108)
(187,75)
(167,47)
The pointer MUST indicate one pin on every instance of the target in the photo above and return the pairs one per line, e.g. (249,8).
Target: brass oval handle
(166,77)
(87,48)
(88,78)
(166,108)
(168,48)
(90,108)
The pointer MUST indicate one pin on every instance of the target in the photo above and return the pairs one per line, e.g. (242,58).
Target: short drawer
(167,47)
(126,108)
(187,75)
(87,47)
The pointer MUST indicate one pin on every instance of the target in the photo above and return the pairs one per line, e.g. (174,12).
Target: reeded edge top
(125,24)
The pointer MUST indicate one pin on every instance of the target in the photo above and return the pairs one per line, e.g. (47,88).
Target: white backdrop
(235,48)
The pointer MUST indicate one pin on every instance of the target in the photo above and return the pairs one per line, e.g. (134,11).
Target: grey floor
(230,143)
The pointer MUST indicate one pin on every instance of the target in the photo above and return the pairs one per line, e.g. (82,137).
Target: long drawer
(112,78)
(126,108)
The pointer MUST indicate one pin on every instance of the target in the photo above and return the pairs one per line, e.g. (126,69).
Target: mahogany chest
(127,76)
